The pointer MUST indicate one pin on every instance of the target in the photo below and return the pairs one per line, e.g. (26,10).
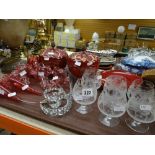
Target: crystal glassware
(85,92)
(141,106)
(112,100)
(57,102)
(54,57)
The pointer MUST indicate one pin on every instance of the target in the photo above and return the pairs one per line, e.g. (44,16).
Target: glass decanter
(141,106)
(112,101)
(85,92)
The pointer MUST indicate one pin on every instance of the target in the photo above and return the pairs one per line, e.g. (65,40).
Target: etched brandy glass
(85,92)
(112,100)
(141,106)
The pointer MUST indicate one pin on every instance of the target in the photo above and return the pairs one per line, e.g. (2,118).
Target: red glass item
(23,86)
(4,81)
(33,66)
(44,71)
(57,78)
(54,57)
(20,73)
(4,92)
(79,61)
(129,76)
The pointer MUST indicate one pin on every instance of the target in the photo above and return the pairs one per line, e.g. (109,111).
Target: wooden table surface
(72,121)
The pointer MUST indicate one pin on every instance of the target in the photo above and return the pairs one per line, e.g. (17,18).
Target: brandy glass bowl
(85,91)
(112,101)
(141,106)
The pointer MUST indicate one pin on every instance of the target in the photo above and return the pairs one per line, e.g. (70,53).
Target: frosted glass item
(112,100)
(141,106)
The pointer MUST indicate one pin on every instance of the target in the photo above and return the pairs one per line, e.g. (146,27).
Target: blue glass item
(140,57)
(131,69)
(139,61)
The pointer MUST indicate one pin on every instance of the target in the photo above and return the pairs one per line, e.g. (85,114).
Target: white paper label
(146,107)
(1,92)
(46,58)
(12,94)
(22,73)
(50,53)
(25,87)
(79,98)
(55,78)
(120,108)
(87,92)
(99,77)
(89,63)
(40,73)
(77,63)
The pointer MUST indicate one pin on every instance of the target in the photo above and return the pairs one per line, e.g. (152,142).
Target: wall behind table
(88,26)
(14,31)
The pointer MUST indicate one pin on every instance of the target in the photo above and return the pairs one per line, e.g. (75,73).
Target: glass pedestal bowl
(78,62)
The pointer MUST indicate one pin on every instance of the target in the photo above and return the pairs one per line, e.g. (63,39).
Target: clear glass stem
(135,123)
(137,126)
(109,121)
(83,109)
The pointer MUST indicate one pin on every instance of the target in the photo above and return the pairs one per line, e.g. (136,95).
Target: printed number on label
(87,92)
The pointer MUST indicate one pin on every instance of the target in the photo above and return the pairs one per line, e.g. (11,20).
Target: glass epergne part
(141,106)
(57,102)
(112,100)
(85,91)
(78,62)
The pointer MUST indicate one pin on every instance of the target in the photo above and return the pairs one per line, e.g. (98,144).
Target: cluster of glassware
(138,100)
(122,92)
(58,100)
(118,96)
